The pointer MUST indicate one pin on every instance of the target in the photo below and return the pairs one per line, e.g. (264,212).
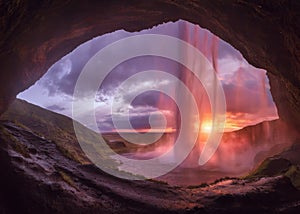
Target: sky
(247,90)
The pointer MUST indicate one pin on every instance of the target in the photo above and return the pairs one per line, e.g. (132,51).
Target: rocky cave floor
(37,177)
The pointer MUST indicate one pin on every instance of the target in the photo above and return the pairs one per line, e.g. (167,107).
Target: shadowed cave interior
(46,170)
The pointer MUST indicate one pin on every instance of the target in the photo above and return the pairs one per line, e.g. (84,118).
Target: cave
(37,34)
(249,131)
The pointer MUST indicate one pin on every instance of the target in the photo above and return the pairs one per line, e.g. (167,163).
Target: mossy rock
(294,175)
(271,167)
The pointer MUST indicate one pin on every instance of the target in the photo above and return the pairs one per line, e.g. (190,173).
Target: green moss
(294,175)
(21,149)
(68,151)
(14,143)
(67,179)
(270,167)
(198,186)
(158,181)
(277,166)
(21,125)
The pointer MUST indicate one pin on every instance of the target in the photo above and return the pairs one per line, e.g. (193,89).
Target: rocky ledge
(39,177)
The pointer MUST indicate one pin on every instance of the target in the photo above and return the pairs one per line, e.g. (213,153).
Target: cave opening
(43,167)
(249,131)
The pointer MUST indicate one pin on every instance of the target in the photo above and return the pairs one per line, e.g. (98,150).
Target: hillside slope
(40,176)
(51,126)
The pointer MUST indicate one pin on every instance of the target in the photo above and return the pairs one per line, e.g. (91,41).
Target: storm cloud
(246,88)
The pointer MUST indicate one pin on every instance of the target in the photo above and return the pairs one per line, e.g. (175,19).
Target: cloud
(138,117)
(246,88)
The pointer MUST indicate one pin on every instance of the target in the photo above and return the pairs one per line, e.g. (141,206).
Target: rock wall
(36,33)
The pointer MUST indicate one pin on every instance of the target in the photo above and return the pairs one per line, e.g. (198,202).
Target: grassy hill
(54,127)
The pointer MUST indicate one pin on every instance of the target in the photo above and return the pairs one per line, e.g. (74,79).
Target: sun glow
(203,127)
(206,127)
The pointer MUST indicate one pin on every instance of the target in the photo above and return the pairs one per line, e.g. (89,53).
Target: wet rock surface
(40,178)
(37,177)
(44,180)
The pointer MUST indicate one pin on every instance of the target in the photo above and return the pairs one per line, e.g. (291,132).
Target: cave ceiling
(35,34)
